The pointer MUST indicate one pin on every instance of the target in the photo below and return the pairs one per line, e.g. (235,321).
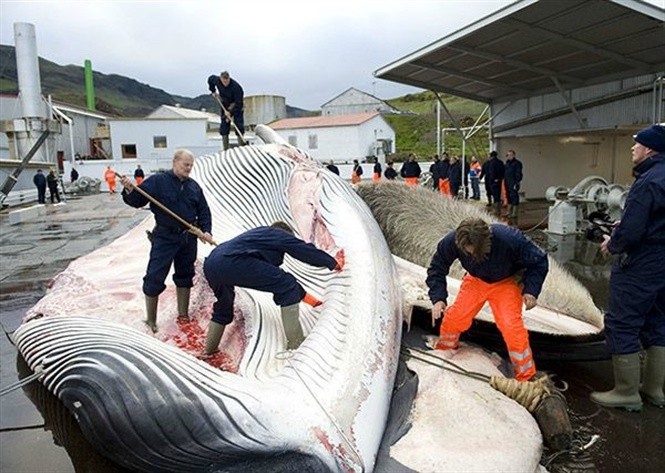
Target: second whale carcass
(150,404)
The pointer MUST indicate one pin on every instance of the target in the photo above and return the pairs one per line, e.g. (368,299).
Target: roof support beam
(466,75)
(571,105)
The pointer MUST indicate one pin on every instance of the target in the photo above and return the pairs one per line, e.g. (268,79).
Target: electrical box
(562,218)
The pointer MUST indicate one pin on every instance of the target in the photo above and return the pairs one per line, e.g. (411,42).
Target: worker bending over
(493,255)
(252,260)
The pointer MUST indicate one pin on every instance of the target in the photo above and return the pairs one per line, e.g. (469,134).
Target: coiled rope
(527,393)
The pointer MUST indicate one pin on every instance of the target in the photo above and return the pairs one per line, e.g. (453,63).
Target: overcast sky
(306,51)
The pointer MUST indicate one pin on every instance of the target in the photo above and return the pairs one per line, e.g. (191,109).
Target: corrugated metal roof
(190,113)
(323,121)
(539,46)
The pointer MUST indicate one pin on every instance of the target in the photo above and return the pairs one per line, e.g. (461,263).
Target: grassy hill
(121,96)
(415,130)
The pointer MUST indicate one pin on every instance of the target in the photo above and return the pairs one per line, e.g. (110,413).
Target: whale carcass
(150,404)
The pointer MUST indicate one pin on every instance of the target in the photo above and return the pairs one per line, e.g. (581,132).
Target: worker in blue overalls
(252,260)
(636,314)
(231,95)
(171,241)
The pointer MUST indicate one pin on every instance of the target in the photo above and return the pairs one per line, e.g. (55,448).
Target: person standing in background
(356,172)
(40,182)
(513,178)
(474,175)
(52,181)
(332,168)
(410,171)
(109,177)
(390,173)
(138,175)
(377,170)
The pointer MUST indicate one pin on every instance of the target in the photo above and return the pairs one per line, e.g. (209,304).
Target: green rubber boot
(182,294)
(225,142)
(151,312)
(626,384)
(215,332)
(654,376)
(292,328)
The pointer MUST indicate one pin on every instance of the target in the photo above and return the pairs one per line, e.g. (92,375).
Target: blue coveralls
(513,178)
(233,94)
(171,242)
(637,284)
(495,174)
(40,181)
(252,260)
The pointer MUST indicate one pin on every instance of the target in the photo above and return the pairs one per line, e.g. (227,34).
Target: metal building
(567,83)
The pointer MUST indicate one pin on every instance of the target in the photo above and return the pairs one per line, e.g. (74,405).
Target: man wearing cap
(230,93)
(636,315)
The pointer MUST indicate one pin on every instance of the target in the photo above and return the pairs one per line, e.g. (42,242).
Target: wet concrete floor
(37,434)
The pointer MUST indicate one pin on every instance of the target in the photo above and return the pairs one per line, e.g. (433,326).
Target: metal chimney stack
(33,135)
(27,66)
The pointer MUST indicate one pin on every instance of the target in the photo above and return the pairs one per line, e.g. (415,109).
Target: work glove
(311,300)
(339,257)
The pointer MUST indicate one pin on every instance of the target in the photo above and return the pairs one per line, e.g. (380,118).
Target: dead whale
(149,404)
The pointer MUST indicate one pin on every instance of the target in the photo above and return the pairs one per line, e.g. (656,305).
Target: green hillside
(415,130)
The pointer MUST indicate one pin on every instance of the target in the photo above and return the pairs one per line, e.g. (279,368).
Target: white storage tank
(263,109)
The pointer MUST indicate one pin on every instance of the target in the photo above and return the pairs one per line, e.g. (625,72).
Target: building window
(293,140)
(313,141)
(159,141)
(128,151)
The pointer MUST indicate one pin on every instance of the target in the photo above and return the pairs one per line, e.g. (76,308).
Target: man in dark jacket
(495,174)
(230,93)
(172,242)
(252,260)
(40,182)
(492,255)
(332,168)
(410,171)
(636,311)
(513,177)
(390,173)
(52,182)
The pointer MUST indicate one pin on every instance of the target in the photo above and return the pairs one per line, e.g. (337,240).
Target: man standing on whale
(171,241)
(231,95)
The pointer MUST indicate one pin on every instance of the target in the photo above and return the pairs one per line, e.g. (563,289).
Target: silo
(264,109)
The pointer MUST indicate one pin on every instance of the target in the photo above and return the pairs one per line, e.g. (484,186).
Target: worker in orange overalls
(492,255)
(356,172)
(109,177)
(410,171)
(377,170)
(139,175)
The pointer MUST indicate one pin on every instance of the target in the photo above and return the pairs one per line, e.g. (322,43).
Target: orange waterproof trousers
(111,184)
(355,178)
(139,180)
(376,177)
(505,300)
(444,187)
(412,181)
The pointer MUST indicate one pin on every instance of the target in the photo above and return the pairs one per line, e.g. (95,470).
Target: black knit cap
(652,137)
